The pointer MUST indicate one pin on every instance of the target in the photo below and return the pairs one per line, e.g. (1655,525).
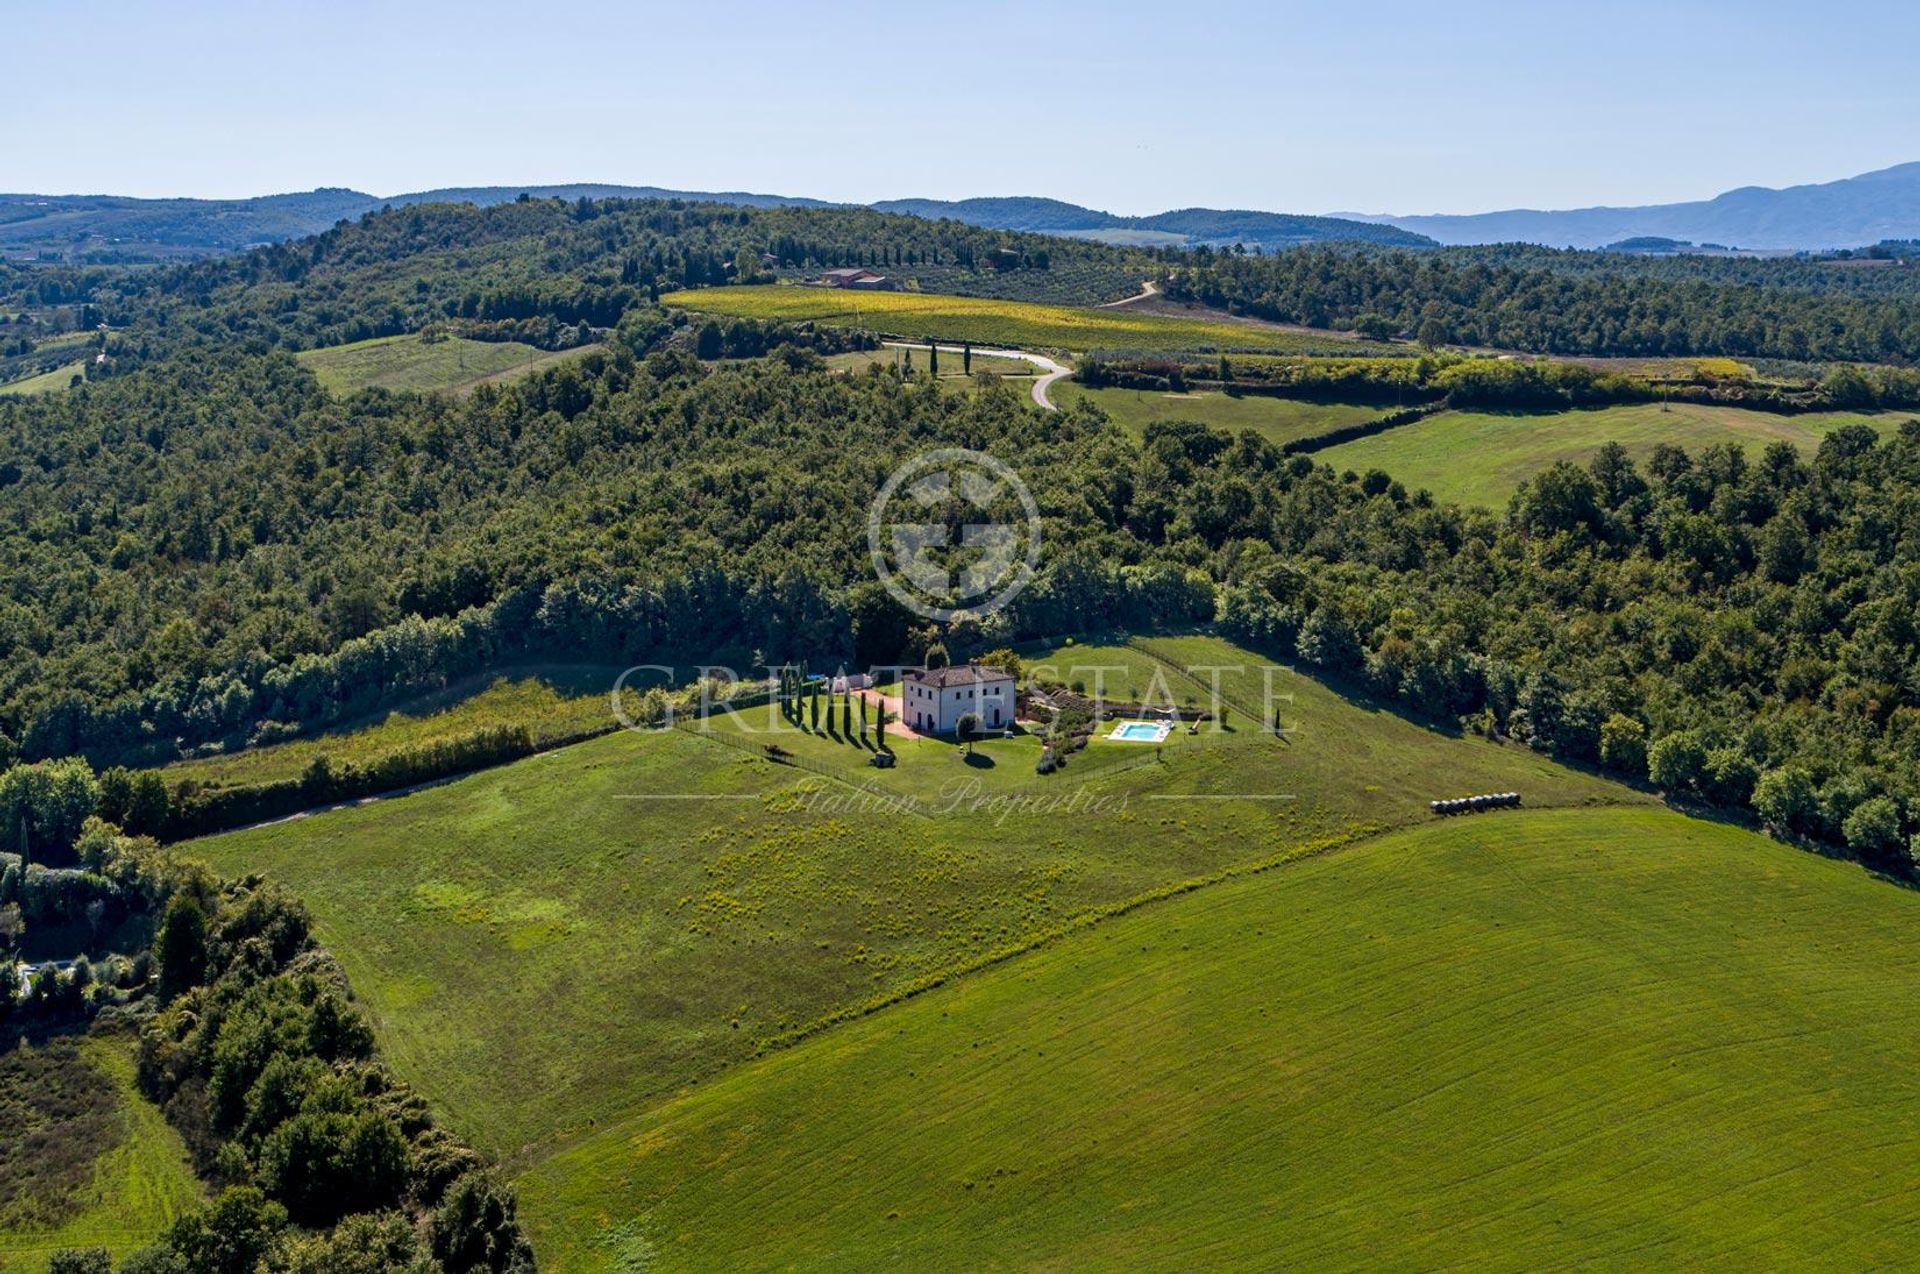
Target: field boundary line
(1299,853)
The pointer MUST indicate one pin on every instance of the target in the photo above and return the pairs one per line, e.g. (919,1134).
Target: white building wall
(939,711)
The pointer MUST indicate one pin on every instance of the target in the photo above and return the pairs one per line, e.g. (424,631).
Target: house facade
(932,700)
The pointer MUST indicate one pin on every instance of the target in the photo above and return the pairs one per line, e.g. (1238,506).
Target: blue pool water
(1138,732)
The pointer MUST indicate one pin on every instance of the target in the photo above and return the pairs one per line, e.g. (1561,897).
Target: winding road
(1050,371)
(1147,289)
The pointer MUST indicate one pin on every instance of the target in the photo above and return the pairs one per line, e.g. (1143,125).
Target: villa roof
(964,675)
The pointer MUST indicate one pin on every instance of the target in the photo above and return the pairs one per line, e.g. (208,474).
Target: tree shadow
(979,760)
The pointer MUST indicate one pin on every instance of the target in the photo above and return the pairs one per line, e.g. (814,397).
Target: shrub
(1787,800)
(1873,829)
(1623,745)
(1677,763)
(474,1228)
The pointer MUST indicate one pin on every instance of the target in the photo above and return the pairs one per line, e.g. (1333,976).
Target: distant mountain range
(1185,227)
(1851,213)
(111,226)
(114,227)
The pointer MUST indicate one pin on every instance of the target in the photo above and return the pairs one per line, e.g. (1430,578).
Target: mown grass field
(140,1179)
(1480,457)
(553,944)
(408,363)
(1278,420)
(1014,324)
(861,360)
(1603,1039)
(47,382)
(553,702)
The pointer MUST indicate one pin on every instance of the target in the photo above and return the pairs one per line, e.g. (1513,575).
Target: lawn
(1017,324)
(1609,1038)
(552,944)
(1480,457)
(554,702)
(47,382)
(119,1173)
(1278,420)
(409,363)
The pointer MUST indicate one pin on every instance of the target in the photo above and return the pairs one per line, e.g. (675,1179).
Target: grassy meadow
(550,945)
(555,702)
(1278,420)
(408,363)
(1540,1039)
(1471,457)
(106,1170)
(47,382)
(1015,324)
(893,356)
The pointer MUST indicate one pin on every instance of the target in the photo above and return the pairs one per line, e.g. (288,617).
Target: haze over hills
(1853,212)
(114,227)
(1184,227)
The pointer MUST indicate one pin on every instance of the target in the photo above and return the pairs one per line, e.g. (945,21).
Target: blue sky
(1379,107)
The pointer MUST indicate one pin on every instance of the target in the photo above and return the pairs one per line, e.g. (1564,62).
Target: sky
(1129,107)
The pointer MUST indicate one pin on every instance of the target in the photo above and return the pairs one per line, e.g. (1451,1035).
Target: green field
(1016,324)
(1278,420)
(1480,457)
(553,702)
(47,382)
(409,363)
(139,1181)
(1532,1040)
(540,950)
(861,360)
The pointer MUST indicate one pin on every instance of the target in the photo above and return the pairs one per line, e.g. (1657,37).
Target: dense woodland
(212,550)
(202,548)
(320,1159)
(1575,303)
(539,269)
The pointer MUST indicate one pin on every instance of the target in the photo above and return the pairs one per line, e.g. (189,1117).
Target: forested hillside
(537,269)
(212,550)
(1575,303)
(202,547)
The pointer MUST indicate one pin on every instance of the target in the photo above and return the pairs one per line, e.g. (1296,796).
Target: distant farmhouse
(861,278)
(933,700)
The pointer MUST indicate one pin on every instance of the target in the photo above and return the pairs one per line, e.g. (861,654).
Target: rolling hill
(1576,1038)
(1852,212)
(108,227)
(1185,227)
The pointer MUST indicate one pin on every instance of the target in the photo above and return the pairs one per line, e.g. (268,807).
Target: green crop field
(1021,324)
(553,702)
(1278,420)
(1596,1038)
(409,363)
(47,382)
(139,1178)
(1480,457)
(559,941)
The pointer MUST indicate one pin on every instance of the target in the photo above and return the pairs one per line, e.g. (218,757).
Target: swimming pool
(1140,731)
